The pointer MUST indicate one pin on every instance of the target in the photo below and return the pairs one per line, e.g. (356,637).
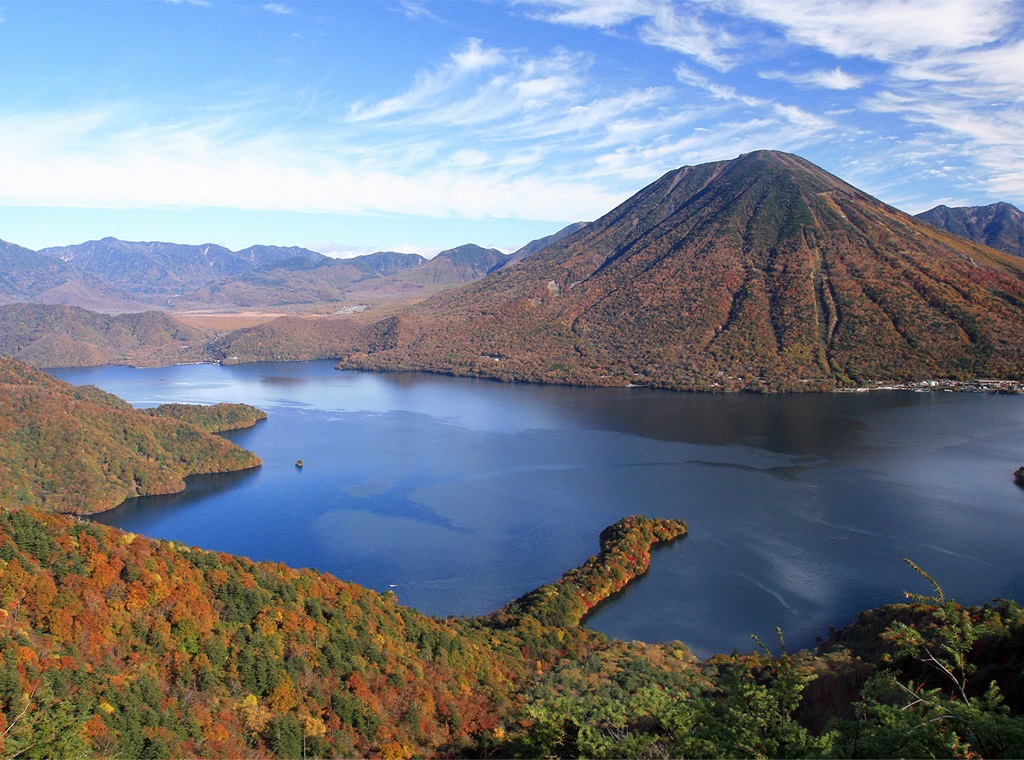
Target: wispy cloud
(430,86)
(417,10)
(489,130)
(279,8)
(833,79)
(690,36)
(601,14)
(98,159)
(680,27)
(881,29)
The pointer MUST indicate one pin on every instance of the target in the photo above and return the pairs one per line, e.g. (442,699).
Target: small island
(1018,477)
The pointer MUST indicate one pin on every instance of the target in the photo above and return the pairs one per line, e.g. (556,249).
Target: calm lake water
(460,495)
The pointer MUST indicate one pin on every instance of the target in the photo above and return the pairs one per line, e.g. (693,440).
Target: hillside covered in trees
(47,335)
(114,644)
(80,450)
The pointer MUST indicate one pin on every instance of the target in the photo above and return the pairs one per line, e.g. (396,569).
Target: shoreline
(979,385)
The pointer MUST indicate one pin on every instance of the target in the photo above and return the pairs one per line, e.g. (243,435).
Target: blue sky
(349,126)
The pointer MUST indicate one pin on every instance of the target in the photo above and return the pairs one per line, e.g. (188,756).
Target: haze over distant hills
(999,225)
(37,324)
(764,272)
(166,269)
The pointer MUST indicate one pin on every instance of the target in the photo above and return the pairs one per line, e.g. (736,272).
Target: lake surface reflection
(460,495)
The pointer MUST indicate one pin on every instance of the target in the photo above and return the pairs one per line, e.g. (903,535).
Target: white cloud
(338,250)
(416,10)
(278,8)
(94,159)
(679,27)
(476,58)
(492,131)
(685,33)
(513,99)
(470,157)
(602,14)
(432,85)
(880,29)
(791,114)
(608,113)
(950,72)
(833,79)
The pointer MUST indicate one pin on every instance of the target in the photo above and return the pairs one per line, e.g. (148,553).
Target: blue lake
(460,495)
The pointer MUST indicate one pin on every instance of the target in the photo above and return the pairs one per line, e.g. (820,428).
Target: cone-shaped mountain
(763,272)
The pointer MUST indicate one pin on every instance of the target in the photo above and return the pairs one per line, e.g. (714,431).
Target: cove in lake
(460,495)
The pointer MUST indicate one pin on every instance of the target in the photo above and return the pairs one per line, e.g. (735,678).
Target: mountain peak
(762,272)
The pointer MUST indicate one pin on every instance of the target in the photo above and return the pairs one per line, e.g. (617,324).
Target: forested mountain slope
(764,273)
(81,450)
(286,339)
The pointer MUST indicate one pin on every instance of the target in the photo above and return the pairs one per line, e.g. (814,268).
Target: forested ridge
(117,645)
(215,418)
(52,335)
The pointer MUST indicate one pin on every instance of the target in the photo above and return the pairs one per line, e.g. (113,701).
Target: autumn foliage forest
(114,644)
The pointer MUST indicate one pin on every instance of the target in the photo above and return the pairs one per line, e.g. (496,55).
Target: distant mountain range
(39,324)
(999,225)
(541,243)
(116,275)
(761,273)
